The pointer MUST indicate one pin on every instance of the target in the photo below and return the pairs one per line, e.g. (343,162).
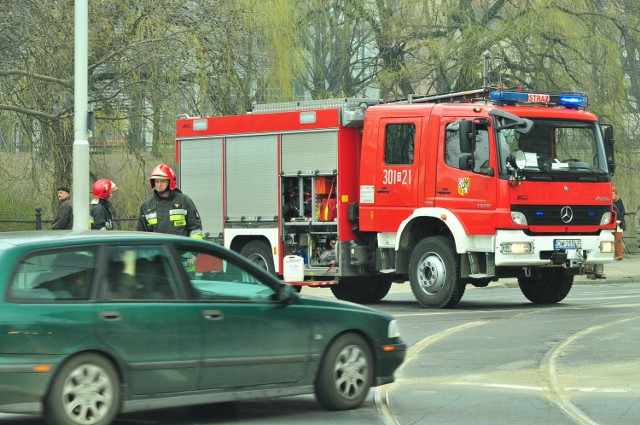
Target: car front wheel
(86,391)
(346,373)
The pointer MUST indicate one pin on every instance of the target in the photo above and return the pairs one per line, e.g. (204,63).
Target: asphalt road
(495,359)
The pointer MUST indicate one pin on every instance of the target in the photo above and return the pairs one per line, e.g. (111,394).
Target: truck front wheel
(546,286)
(434,273)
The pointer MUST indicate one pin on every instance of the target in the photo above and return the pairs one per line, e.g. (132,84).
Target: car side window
(54,276)
(215,278)
(139,273)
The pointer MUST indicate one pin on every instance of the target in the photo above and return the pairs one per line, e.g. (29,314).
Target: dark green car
(97,323)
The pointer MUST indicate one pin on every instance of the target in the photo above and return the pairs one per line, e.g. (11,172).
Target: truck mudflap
(515,248)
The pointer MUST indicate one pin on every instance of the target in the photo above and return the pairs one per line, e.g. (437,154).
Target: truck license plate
(567,244)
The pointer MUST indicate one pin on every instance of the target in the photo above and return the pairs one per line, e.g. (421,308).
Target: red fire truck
(440,191)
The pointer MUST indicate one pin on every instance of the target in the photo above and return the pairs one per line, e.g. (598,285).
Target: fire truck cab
(440,191)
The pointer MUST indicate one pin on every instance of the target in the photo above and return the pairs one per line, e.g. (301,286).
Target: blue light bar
(509,96)
(574,100)
(571,100)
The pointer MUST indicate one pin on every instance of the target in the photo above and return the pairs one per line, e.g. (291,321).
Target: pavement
(626,270)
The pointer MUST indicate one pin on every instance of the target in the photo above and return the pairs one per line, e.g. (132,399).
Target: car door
(250,338)
(144,319)
(52,308)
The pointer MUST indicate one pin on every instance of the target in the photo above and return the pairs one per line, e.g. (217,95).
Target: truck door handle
(443,192)
(110,315)
(383,191)
(212,314)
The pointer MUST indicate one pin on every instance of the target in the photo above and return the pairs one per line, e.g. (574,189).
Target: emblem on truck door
(463,185)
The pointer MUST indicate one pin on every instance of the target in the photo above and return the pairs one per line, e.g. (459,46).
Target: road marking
(381,396)
(557,393)
(506,386)
(532,388)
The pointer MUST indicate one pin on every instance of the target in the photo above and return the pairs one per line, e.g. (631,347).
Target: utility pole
(81,137)
(485,73)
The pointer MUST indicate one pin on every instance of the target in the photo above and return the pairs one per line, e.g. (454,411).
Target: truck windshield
(556,150)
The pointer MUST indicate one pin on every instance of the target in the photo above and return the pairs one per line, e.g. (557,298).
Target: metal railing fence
(38,223)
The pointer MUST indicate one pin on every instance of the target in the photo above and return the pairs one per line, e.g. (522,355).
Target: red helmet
(163,171)
(102,188)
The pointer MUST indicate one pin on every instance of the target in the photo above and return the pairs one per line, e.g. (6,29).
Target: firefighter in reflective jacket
(101,212)
(169,210)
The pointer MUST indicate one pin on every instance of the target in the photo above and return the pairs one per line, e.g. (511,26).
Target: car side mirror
(287,294)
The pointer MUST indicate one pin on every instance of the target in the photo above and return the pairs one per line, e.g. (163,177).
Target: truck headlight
(518,218)
(607,246)
(516,247)
(606,218)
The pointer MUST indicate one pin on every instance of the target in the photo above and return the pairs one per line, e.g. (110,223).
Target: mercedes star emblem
(566,214)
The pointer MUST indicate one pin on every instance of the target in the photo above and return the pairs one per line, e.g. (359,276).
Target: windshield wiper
(543,174)
(581,167)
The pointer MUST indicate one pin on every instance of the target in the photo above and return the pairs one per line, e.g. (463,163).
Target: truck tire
(547,286)
(259,253)
(381,290)
(434,273)
(345,374)
(362,290)
(86,390)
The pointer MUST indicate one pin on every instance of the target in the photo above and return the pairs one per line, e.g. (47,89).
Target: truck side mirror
(467,134)
(466,161)
(607,130)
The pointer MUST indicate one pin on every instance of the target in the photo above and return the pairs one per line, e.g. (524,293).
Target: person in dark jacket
(101,209)
(621,225)
(168,210)
(63,219)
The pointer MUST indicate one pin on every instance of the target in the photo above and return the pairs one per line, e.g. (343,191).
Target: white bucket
(293,268)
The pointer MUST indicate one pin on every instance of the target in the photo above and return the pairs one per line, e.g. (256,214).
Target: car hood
(312,300)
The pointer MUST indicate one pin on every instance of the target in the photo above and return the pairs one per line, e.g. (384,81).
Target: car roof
(46,237)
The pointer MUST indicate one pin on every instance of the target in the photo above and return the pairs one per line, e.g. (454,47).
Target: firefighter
(168,210)
(101,209)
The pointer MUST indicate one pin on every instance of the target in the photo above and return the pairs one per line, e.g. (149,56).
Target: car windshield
(556,150)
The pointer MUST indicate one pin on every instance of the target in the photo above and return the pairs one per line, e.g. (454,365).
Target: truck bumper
(542,250)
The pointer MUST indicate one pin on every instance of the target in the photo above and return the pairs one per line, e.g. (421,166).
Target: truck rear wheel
(363,290)
(434,273)
(259,253)
(546,286)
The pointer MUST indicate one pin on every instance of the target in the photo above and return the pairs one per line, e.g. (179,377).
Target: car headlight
(393,331)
